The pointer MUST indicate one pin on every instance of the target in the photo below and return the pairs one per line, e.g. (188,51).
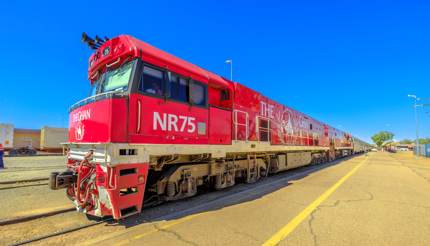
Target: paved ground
(385,202)
(381,199)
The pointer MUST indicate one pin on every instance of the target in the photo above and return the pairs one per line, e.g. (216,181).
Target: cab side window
(198,92)
(152,81)
(178,88)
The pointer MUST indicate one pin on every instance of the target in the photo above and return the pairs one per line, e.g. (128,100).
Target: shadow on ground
(207,201)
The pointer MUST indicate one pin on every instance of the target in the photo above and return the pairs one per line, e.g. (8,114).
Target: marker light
(106,51)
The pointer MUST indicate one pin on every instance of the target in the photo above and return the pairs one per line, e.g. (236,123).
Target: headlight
(106,51)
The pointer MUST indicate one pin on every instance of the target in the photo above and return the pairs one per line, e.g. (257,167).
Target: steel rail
(22,186)
(34,217)
(28,169)
(23,181)
(59,233)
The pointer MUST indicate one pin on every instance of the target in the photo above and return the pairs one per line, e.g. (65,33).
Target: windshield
(95,87)
(117,79)
(113,80)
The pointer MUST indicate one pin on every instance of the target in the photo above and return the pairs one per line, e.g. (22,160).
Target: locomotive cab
(136,100)
(101,117)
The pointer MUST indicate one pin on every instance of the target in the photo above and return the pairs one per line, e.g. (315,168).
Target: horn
(99,40)
(86,38)
(89,41)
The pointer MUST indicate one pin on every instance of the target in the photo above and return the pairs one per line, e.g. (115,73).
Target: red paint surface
(219,126)
(119,182)
(99,122)
(147,133)
(215,121)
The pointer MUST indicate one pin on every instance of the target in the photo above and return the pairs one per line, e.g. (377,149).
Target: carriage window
(225,95)
(152,81)
(198,93)
(178,88)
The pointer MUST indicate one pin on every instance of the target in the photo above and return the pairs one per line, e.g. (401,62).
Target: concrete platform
(379,199)
(384,200)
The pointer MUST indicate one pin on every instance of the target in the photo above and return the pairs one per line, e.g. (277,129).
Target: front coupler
(62,180)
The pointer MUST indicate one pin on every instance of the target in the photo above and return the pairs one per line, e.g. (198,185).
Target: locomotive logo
(81,115)
(285,122)
(77,118)
(80,131)
(266,110)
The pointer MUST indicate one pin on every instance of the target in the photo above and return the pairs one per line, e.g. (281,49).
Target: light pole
(230,61)
(416,99)
(416,105)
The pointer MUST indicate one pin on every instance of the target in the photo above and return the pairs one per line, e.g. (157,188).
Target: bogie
(181,180)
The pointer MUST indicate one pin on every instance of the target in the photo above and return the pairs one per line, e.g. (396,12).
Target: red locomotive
(156,127)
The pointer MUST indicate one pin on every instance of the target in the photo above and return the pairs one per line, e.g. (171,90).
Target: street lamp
(416,99)
(230,61)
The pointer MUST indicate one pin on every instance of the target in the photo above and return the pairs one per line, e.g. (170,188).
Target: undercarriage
(110,180)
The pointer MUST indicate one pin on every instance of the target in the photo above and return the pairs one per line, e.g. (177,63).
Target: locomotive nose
(92,121)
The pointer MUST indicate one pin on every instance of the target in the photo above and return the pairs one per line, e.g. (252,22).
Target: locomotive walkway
(379,199)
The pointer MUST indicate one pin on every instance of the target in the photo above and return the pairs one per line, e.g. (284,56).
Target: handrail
(92,97)
(241,124)
(113,63)
(139,108)
(95,75)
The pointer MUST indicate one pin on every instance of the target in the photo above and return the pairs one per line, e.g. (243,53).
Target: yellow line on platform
(287,229)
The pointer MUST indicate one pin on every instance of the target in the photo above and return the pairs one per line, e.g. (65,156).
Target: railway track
(31,229)
(62,232)
(22,224)
(24,183)
(29,169)
(207,201)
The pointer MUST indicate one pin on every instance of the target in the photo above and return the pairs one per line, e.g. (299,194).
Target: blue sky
(348,63)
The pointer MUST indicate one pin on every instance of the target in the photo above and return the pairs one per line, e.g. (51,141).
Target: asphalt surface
(379,199)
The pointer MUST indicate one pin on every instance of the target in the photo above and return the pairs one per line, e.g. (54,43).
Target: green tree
(424,140)
(406,141)
(381,137)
